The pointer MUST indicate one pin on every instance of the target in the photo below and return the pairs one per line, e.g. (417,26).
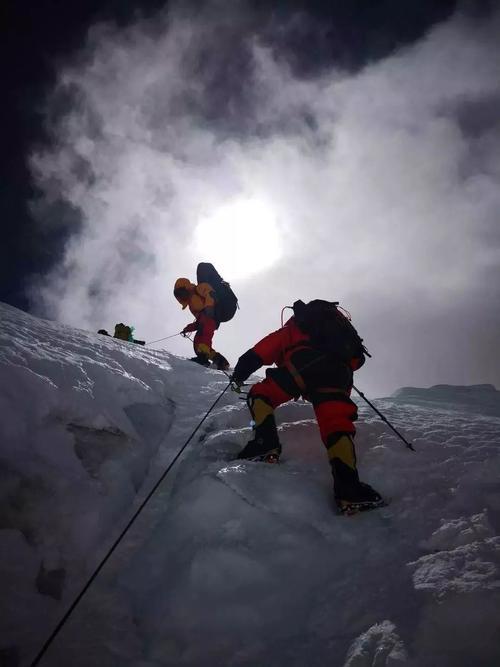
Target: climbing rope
(160,339)
(185,335)
(68,613)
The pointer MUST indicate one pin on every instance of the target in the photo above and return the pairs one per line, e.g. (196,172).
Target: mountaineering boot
(266,445)
(351,495)
(201,359)
(360,498)
(219,362)
(257,450)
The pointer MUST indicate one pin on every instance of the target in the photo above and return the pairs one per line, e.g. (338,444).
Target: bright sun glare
(240,238)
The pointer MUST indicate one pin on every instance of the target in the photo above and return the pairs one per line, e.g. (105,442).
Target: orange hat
(183,288)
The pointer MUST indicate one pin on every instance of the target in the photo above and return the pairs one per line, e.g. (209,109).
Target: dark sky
(37,36)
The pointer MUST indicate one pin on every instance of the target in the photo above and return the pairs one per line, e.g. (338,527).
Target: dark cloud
(348,35)
(478,117)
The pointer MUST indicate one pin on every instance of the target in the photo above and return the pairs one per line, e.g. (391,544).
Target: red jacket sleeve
(267,351)
(271,348)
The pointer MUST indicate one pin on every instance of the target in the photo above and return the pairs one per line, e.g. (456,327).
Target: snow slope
(232,563)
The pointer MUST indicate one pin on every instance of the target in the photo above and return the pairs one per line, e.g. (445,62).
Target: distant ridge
(481,398)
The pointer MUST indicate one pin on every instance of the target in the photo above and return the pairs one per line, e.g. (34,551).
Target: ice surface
(379,646)
(234,563)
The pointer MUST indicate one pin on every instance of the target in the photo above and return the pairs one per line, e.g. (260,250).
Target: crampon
(348,508)
(269,457)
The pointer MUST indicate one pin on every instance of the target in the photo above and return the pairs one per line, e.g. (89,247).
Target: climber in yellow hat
(201,301)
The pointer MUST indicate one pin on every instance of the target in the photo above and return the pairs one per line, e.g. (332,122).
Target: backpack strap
(297,377)
(294,371)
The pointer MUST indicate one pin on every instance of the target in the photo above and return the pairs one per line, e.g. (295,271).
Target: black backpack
(329,329)
(226,302)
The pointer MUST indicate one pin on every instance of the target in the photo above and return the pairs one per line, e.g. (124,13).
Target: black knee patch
(284,380)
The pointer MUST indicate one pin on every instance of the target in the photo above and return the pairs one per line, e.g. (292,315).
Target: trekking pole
(160,339)
(68,613)
(384,419)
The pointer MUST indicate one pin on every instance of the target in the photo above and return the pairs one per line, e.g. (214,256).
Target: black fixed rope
(384,419)
(63,620)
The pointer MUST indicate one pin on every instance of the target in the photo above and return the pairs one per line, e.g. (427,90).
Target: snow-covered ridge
(232,563)
(481,398)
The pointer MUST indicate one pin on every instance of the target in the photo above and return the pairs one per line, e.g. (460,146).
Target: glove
(236,384)
(189,328)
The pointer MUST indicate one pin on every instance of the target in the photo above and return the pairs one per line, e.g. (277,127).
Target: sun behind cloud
(241,238)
